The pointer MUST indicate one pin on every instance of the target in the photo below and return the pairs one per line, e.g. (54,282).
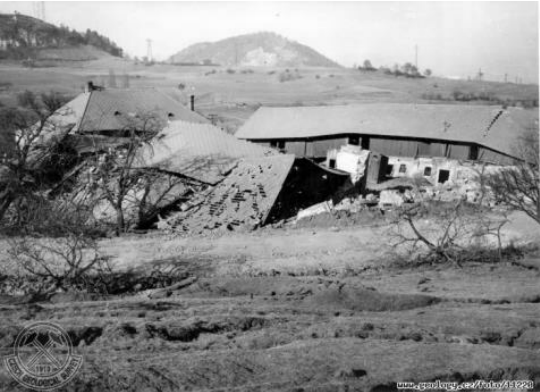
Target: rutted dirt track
(344,330)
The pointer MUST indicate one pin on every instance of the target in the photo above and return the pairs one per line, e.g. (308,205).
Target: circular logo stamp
(43,357)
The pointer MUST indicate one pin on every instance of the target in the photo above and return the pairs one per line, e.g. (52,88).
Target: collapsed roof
(489,126)
(199,151)
(243,199)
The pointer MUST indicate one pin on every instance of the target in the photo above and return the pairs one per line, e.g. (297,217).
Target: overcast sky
(455,39)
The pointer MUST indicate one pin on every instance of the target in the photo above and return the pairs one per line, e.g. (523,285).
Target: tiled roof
(112,110)
(489,126)
(243,199)
(108,110)
(199,151)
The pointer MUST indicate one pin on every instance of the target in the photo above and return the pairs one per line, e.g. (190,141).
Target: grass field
(234,96)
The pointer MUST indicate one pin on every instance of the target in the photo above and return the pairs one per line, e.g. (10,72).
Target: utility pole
(39,9)
(416,56)
(149,56)
(235,53)
(480,74)
(505,78)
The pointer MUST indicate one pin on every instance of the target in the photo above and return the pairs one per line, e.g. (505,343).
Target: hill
(23,37)
(259,49)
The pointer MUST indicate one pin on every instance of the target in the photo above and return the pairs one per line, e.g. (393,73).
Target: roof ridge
(80,121)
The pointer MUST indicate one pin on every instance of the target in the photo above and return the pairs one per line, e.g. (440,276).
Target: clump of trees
(367,66)
(23,34)
(407,70)
(487,97)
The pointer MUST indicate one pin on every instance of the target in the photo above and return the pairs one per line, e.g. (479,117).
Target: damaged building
(201,177)
(426,139)
(97,119)
(245,185)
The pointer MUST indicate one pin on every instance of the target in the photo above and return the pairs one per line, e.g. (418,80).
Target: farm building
(474,133)
(246,185)
(96,119)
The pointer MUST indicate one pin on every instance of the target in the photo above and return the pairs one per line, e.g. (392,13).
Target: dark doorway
(444,175)
(365,143)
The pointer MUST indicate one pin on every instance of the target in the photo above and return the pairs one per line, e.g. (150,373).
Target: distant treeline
(486,97)
(408,70)
(21,34)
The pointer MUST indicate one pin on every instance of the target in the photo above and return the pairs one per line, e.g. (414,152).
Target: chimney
(89,87)
(192,102)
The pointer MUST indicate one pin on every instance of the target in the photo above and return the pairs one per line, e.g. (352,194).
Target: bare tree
(115,173)
(518,186)
(37,150)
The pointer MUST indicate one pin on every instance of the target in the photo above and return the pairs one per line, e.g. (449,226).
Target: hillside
(259,49)
(23,37)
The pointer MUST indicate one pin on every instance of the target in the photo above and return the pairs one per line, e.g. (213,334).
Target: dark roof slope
(489,126)
(107,110)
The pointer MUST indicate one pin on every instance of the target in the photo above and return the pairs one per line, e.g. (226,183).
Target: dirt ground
(298,309)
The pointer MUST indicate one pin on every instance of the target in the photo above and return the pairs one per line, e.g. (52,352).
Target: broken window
(354,140)
(444,175)
(332,164)
(389,169)
(403,168)
(427,171)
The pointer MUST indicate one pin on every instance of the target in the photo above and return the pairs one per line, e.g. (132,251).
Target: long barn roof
(489,126)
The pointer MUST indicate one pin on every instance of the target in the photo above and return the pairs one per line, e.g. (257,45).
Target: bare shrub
(518,186)
(61,262)
(447,232)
